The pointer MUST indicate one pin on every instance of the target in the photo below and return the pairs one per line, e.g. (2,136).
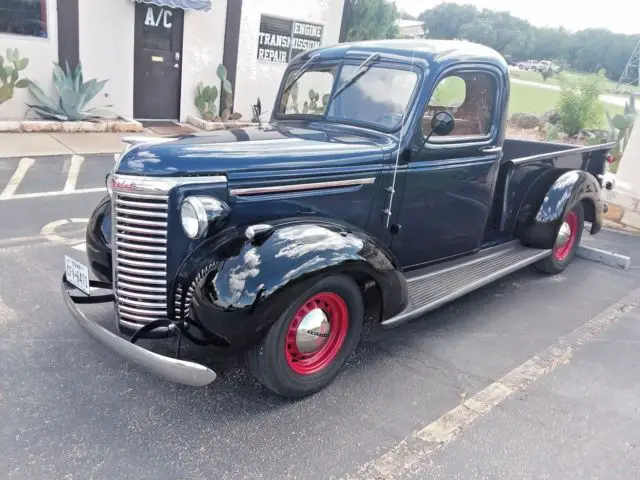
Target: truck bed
(525,162)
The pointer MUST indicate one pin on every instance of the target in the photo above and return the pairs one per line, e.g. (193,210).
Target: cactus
(315,98)
(226,96)
(205,101)
(10,74)
(620,127)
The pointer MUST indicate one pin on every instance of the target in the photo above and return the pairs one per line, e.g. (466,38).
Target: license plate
(77,274)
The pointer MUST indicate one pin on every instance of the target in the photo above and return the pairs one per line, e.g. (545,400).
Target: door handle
(492,150)
(175,65)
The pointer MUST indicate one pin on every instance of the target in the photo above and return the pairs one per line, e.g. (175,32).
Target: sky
(621,16)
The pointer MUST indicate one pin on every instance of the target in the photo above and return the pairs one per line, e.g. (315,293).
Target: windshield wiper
(361,70)
(298,73)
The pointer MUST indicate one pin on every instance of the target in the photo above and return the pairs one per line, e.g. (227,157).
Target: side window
(469,97)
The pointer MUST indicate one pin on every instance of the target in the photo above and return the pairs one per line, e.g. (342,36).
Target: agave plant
(73,96)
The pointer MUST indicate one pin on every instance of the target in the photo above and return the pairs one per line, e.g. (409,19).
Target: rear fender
(248,284)
(539,229)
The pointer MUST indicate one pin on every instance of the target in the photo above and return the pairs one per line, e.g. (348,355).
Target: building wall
(202,49)
(41,52)
(106,35)
(260,78)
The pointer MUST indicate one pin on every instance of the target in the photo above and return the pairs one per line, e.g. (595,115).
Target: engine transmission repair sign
(280,39)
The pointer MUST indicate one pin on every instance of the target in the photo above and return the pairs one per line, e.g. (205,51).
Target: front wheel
(567,241)
(307,346)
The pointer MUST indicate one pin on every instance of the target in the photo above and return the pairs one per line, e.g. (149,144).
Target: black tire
(271,361)
(559,259)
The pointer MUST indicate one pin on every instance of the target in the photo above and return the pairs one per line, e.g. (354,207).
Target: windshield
(378,97)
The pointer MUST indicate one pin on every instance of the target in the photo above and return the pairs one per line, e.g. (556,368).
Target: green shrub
(579,105)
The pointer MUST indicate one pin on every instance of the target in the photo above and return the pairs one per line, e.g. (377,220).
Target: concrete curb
(605,257)
(119,125)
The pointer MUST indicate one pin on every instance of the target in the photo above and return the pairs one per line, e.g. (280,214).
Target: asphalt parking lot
(71,409)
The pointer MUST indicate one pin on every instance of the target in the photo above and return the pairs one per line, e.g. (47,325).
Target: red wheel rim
(321,347)
(562,251)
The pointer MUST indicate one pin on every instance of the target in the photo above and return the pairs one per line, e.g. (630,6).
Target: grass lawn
(609,86)
(530,99)
(524,98)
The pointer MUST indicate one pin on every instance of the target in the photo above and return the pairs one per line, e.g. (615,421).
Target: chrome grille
(140,257)
(140,243)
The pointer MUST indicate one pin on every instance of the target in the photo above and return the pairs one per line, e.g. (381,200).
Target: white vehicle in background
(547,65)
(527,65)
(538,66)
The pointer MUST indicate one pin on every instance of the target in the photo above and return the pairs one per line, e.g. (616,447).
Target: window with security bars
(24,17)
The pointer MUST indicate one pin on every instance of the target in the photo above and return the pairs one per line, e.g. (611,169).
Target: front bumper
(180,371)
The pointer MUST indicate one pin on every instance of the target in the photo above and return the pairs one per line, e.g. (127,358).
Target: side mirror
(442,123)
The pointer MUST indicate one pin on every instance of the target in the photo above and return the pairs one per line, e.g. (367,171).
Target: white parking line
(16,178)
(81,247)
(49,229)
(53,194)
(74,171)
(411,455)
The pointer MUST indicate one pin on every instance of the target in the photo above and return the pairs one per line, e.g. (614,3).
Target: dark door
(158,60)
(447,187)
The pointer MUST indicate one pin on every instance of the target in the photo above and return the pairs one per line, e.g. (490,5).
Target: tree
(445,20)
(479,31)
(586,50)
(371,19)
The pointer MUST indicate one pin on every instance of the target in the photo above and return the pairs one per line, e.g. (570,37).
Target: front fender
(571,187)
(98,238)
(247,285)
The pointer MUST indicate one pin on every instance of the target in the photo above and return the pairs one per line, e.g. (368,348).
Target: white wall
(41,52)
(107,50)
(262,79)
(202,49)
(628,175)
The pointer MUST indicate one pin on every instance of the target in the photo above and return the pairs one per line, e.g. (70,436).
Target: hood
(273,147)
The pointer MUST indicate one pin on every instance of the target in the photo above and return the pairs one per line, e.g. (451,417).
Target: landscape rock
(10,126)
(551,116)
(41,126)
(524,120)
(216,125)
(71,127)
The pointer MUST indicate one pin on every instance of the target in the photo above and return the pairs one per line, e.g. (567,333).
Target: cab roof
(430,51)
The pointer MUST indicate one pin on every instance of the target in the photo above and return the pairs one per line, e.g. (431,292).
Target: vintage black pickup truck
(382,182)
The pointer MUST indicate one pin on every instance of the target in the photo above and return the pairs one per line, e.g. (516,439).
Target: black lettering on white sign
(279,40)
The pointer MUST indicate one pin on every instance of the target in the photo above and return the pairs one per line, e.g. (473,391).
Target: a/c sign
(163,18)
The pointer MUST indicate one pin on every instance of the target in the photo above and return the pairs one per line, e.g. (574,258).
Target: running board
(432,287)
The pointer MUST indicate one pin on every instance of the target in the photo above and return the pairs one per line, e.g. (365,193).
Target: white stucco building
(155,52)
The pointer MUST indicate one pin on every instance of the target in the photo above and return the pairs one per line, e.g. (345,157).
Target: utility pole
(631,73)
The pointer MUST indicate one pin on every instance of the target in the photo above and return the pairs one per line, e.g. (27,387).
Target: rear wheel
(567,241)
(311,341)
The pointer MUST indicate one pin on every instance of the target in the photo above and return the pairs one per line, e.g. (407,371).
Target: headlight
(196,213)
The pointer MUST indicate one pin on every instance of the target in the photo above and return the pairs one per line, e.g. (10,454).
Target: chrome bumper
(180,371)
